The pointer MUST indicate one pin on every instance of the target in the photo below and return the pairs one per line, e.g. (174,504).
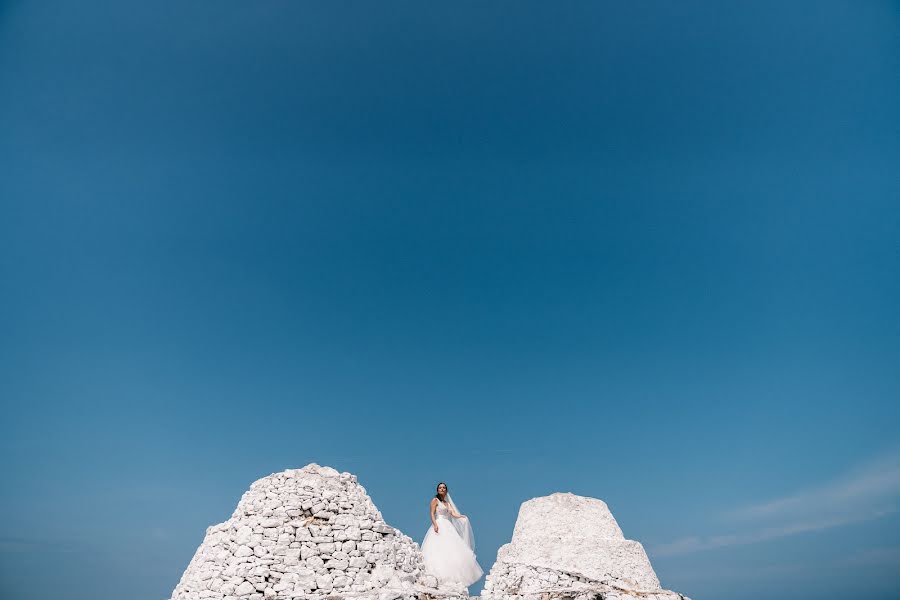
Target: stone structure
(314,534)
(568,546)
(309,533)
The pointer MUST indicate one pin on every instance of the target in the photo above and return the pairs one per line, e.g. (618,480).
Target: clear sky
(642,251)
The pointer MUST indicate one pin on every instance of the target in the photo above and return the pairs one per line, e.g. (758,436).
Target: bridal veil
(462,526)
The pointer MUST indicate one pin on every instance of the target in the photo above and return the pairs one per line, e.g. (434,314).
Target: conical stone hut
(569,547)
(310,533)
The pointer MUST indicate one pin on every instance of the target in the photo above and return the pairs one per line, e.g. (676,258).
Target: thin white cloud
(755,572)
(873,482)
(877,557)
(696,544)
(868,492)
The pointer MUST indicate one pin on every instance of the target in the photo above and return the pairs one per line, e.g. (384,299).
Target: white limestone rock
(569,546)
(307,534)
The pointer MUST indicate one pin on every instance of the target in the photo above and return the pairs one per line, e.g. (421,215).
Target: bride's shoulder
(433,500)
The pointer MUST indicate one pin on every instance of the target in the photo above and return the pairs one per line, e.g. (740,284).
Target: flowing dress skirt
(447,556)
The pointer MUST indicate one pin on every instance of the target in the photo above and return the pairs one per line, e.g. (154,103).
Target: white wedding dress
(449,554)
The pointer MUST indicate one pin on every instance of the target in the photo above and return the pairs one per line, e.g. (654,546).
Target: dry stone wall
(311,534)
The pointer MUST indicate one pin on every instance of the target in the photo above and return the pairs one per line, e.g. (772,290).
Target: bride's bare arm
(434,524)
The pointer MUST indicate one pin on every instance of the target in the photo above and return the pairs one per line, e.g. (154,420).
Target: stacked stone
(568,547)
(309,533)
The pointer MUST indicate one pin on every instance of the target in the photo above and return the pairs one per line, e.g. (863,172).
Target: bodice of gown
(442,511)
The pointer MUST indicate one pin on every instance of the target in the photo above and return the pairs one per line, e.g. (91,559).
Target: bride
(448,549)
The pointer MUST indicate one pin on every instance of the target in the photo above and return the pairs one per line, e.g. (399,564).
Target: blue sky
(646,252)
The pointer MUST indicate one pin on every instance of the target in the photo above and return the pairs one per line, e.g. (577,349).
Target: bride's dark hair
(437,495)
